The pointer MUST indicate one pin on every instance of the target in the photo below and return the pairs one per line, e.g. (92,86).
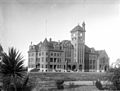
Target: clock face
(80,34)
(74,35)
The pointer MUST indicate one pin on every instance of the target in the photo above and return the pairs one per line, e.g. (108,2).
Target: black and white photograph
(59,45)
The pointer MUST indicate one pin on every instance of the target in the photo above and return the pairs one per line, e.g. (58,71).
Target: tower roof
(1,49)
(77,28)
(45,42)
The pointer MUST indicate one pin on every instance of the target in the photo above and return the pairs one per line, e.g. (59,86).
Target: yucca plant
(12,69)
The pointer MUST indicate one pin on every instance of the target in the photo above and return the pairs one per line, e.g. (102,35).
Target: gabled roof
(45,43)
(87,49)
(77,28)
(39,43)
(90,50)
(102,53)
(54,43)
(66,43)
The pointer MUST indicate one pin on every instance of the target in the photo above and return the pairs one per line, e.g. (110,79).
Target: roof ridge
(77,28)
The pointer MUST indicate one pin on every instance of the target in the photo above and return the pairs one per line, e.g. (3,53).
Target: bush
(115,79)
(98,85)
(35,70)
(59,84)
(71,85)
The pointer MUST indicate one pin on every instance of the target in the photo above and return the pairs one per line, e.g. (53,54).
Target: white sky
(23,21)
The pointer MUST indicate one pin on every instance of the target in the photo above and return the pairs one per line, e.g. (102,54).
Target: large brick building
(72,55)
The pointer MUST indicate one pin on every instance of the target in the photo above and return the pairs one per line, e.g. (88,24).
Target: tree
(115,78)
(12,69)
(117,63)
(115,75)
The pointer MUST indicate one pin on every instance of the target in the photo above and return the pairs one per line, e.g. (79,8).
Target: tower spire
(31,42)
(45,28)
(83,25)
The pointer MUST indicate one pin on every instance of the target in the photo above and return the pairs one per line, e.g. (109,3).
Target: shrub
(35,70)
(98,85)
(115,79)
(71,85)
(59,84)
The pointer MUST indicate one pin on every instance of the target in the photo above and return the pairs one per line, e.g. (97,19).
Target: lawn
(48,80)
(82,76)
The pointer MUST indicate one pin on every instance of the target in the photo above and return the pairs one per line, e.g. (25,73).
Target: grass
(48,80)
(83,76)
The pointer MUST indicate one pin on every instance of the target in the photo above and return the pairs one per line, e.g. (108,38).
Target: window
(39,53)
(58,60)
(54,54)
(72,38)
(93,61)
(93,66)
(38,60)
(69,60)
(32,54)
(42,53)
(57,54)
(0,58)
(90,66)
(51,54)
(42,66)
(42,59)
(54,59)
(46,59)
(51,59)
(60,54)
(46,66)
(75,54)
(31,59)
(75,38)
(31,65)
(103,61)
(36,53)
(29,54)
(90,61)
(46,53)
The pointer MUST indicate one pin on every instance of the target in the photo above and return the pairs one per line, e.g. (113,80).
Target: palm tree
(12,68)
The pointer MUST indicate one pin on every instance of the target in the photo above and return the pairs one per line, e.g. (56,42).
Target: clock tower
(78,41)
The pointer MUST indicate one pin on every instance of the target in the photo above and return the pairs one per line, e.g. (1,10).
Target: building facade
(72,55)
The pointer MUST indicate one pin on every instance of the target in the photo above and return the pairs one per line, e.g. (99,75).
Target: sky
(26,21)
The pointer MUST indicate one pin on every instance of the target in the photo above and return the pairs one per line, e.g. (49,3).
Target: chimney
(31,42)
